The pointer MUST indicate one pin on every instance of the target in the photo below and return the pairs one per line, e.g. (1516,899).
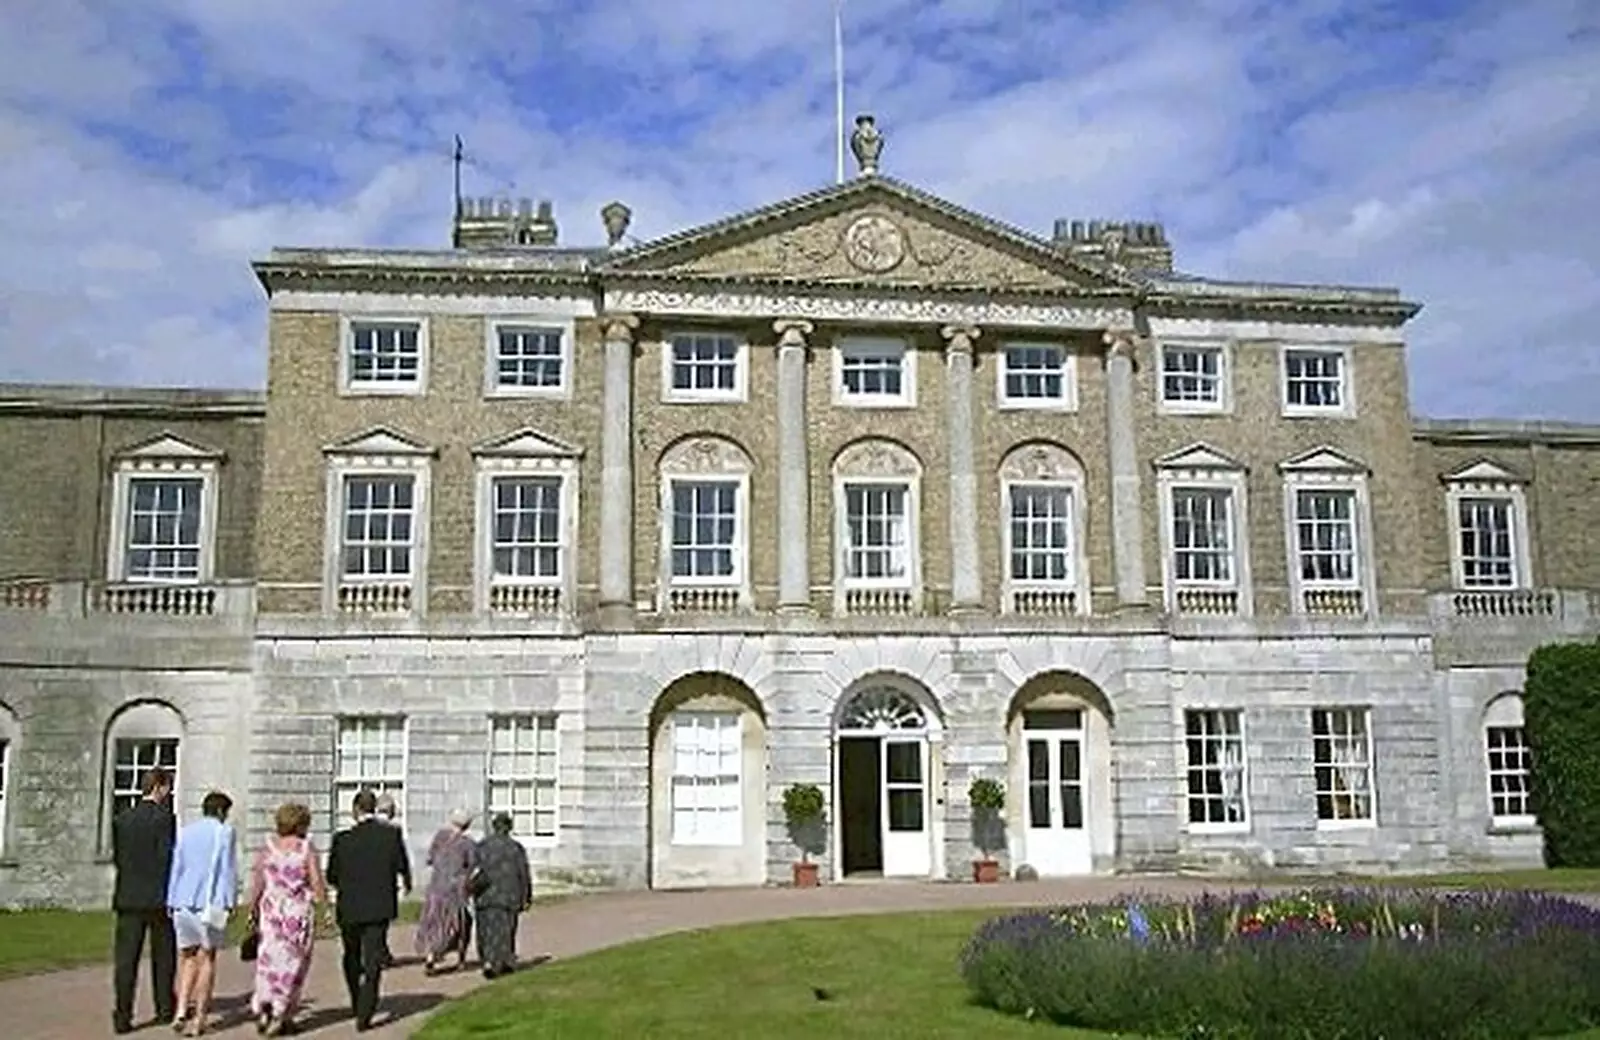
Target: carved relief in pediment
(875,457)
(707,455)
(874,242)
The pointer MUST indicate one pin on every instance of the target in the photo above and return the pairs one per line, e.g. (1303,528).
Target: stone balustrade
(73,599)
(1207,602)
(524,600)
(702,599)
(1055,602)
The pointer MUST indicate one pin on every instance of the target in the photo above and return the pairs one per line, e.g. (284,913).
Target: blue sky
(148,151)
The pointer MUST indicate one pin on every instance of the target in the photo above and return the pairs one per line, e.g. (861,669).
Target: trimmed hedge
(1318,965)
(1561,708)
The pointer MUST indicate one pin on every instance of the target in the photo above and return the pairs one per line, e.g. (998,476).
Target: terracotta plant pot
(805,875)
(985,871)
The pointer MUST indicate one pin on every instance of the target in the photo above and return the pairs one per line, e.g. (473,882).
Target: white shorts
(190,931)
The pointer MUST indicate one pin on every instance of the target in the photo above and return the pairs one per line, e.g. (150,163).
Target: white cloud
(148,152)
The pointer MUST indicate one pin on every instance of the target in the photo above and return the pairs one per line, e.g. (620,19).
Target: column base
(965,610)
(616,617)
(795,615)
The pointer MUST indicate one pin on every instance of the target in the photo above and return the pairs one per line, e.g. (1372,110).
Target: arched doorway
(708,784)
(1059,737)
(885,773)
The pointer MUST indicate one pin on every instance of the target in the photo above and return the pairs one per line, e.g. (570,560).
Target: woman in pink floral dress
(285,886)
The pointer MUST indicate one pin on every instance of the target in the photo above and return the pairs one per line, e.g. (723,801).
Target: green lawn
(32,941)
(884,977)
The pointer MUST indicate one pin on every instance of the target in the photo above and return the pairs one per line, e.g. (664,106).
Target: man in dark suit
(363,865)
(141,848)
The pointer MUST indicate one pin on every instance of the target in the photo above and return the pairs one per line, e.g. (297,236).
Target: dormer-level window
(529,358)
(1316,382)
(1193,378)
(1037,375)
(384,356)
(704,367)
(874,373)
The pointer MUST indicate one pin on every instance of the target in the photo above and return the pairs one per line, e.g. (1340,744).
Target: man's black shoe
(121,1026)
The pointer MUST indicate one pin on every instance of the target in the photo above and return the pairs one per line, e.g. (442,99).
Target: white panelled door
(907,850)
(1057,836)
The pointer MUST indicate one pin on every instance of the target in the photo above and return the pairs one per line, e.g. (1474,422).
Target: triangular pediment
(527,443)
(1323,460)
(870,230)
(379,440)
(170,446)
(1199,455)
(1483,471)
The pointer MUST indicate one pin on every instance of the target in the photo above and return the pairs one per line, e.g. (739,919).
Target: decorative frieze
(832,307)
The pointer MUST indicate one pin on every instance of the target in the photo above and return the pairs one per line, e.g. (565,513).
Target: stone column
(616,470)
(1127,529)
(966,586)
(794,471)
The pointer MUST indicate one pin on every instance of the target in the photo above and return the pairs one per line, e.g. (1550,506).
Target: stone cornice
(1505,431)
(570,274)
(71,401)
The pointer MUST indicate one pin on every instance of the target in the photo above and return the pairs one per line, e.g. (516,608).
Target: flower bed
(1316,965)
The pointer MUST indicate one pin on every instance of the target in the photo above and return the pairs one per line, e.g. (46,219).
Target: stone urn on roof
(866,144)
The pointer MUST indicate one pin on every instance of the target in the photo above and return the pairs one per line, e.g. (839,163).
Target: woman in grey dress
(446,925)
(506,891)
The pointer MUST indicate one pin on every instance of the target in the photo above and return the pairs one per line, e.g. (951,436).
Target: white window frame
(500,788)
(394,784)
(1505,713)
(1202,468)
(1486,480)
(1328,469)
(566,327)
(523,454)
(1370,765)
(8,765)
(740,578)
(1221,738)
(1066,402)
(378,453)
(1077,580)
(875,346)
(349,386)
(709,395)
(1345,409)
(166,457)
(912,580)
(729,834)
(141,722)
(1223,352)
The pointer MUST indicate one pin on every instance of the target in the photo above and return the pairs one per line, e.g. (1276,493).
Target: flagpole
(838,88)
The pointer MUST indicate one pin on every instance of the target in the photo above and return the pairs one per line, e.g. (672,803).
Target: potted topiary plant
(804,809)
(988,799)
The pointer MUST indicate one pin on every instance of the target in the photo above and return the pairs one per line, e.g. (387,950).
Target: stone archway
(888,767)
(1061,813)
(708,784)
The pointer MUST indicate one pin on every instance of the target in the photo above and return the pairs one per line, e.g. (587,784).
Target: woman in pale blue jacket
(200,895)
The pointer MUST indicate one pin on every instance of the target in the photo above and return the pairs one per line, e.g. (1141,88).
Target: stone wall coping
(75,399)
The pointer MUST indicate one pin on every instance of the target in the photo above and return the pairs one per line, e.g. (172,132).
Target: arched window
(141,737)
(877,487)
(1042,505)
(1510,763)
(705,527)
(9,732)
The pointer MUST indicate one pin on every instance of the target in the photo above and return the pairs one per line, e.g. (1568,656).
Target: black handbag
(250,948)
(477,883)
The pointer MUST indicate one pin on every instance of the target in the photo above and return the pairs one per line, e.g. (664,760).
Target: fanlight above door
(882,709)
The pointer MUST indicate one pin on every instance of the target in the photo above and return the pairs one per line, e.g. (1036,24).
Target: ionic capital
(960,339)
(619,328)
(792,332)
(1120,343)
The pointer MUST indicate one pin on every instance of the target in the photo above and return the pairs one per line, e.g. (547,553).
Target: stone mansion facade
(860,489)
